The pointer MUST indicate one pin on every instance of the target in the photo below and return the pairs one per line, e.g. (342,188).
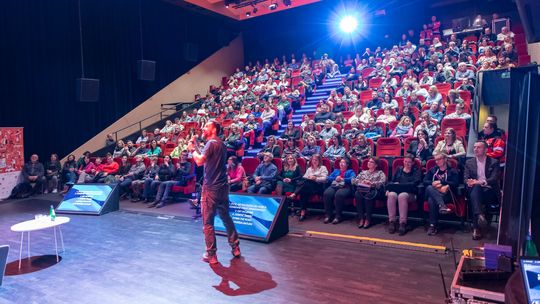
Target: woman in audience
(360,149)
(441,184)
(311,148)
(168,127)
(119,150)
(353,132)
(422,147)
(404,129)
(314,181)
(340,120)
(154,149)
(149,174)
(406,112)
(402,190)
(181,146)
(271,147)
(234,141)
(488,56)
(69,172)
(310,131)
(289,176)
(235,173)
(338,191)
(389,102)
(369,184)
(450,145)
(291,132)
(291,149)
(52,174)
(335,148)
(433,96)
(387,116)
(305,121)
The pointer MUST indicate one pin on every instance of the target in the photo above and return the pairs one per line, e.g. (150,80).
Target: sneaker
(443,209)
(210,258)
(152,205)
(55,191)
(160,205)
(432,230)
(476,235)
(392,227)
(236,251)
(336,221)
(402,229)
(46,191)
(327,220)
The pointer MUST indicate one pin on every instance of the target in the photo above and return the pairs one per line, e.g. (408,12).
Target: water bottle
(530,247)
(52,214)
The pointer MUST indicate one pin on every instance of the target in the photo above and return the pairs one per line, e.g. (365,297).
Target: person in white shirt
(505,32)
(314,182)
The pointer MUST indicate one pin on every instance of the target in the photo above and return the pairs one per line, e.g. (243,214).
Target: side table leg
(28,236)
(61,238)
(56,245)
(20,249)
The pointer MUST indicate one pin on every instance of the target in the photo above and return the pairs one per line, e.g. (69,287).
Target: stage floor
(139,257)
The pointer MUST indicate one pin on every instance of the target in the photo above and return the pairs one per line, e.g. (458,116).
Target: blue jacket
(349,175)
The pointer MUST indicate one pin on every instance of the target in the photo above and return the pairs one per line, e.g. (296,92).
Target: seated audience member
(157,134)
(426,78)
(88,170)
(323,115)
(182,174)
(109,141)
(234,141)
(422,147)
(310,130)
(252,129)
(463,73)
(305,120)
(311,148)
(123,170)
(142,149)
(235,173)
(495,144)
(460,113)
(136,171)
(369,186)
(505,32)
(414,101)
(164,173)
(69,172)
(52,174)
(360,149)
(291,132)
(404,129)
(406,112)
(353,132)
(433,96)
(291,149)
(375,103)
(287,180)
(314,181)
(119,150)
(166,137)
(402,190)
(168,127)
(142,138)
(181,146)
(328,131)
(482,177)
(339,190)
(372,131)
(271,147)
(441,184)
(339,106)
(335,148)
(434,112)
(150,174)
(386,117)
(389,102)
(130,148)
(268,115)
(80,161)
(33,172)
(450,145)
(404,91)
(426,124)
(154,149)
(109,168)
(264,177)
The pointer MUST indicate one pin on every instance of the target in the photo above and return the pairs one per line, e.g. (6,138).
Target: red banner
(11,150)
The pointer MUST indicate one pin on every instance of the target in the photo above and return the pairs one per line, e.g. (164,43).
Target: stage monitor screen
(85,198)
(254,216)
(530,270)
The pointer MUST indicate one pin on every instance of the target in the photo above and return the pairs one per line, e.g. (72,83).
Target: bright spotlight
(348,24)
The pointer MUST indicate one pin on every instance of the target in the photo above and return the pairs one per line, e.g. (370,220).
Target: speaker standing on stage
(215,190)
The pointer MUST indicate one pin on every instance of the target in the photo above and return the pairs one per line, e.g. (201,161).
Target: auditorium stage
(140,257)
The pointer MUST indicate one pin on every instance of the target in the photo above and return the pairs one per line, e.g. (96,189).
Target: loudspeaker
(87,89)
(146,70)
(529,10)
(191,52)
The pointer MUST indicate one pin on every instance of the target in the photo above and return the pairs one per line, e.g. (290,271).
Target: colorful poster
(11,159)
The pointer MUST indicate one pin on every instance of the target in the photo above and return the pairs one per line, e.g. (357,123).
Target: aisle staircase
(309,107)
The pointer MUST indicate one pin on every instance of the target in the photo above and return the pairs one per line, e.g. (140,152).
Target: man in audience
(264,177)
(375,103)
(434,112)
(135,172)
(489,35)
(110,168)
(110,141)
(182,174)
(505,32)
(328,131)
(323,115)
(33,172)
(463,73)
(495,145)
(482,176)
(142,137)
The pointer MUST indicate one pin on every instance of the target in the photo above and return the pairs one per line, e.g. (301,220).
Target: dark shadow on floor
(248,279)
(32,264)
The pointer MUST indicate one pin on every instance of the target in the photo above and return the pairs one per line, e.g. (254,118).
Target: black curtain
(40,55)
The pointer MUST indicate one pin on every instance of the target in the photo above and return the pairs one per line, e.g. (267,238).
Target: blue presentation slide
(85,198)
(531,269)
(252,215)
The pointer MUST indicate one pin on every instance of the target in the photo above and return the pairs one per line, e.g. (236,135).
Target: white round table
(40,224)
